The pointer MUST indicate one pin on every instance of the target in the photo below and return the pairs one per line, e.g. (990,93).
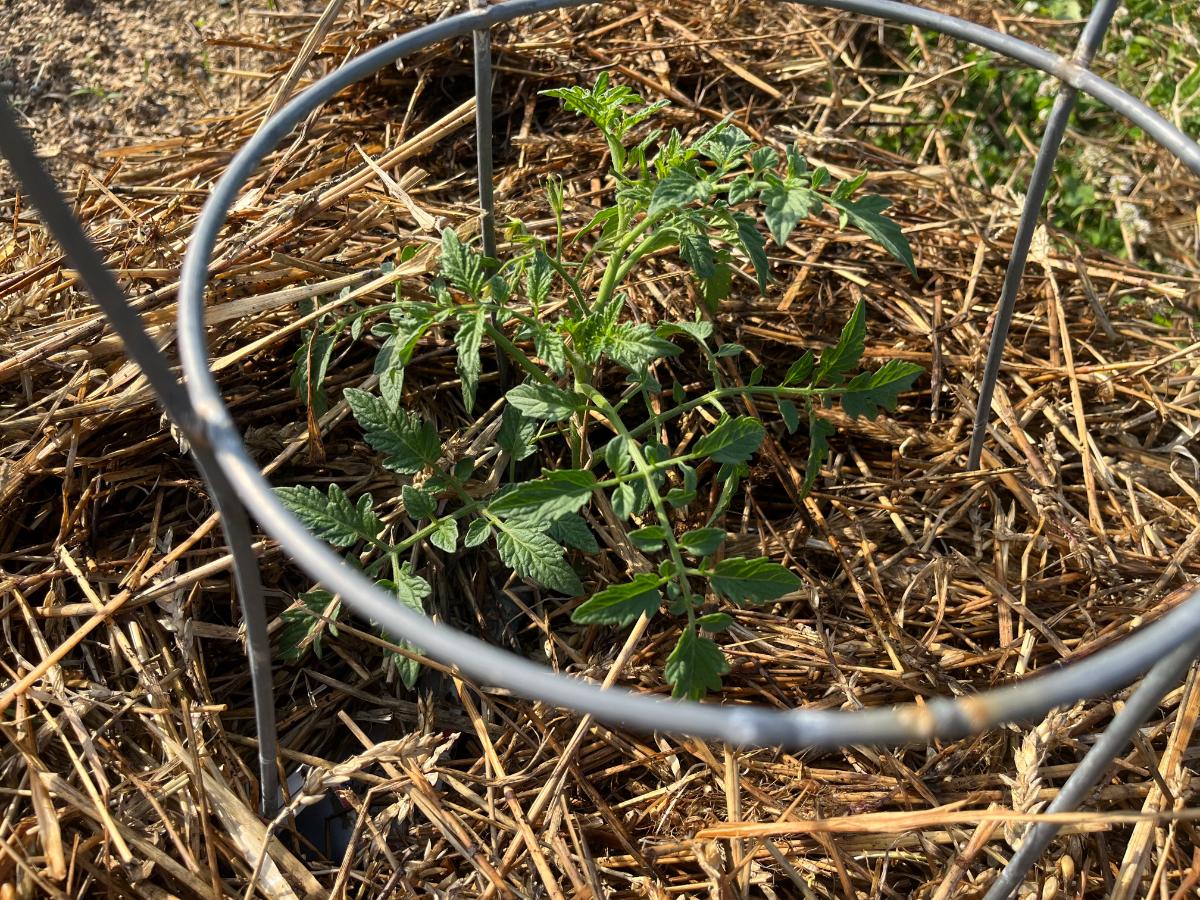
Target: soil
(87,75)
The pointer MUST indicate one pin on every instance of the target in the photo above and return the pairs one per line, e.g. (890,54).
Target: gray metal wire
(1043,168)
(219,449)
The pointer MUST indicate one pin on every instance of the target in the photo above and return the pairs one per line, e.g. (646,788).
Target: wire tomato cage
(239,491)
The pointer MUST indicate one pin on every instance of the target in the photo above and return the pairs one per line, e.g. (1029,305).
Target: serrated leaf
(462,266)
(535,555)
(538,277)
(764,158)
(724,144)
(867,215)
(702,541)
(677,189)
(546,499)
(700,331)
(446,536)
(468,339)
(573,531)
(649,539)
(332,517)
(516,434)
(730,349)
(621,604)
(477,532)
(408,445)
(818,449)
(785,204)
(697,252)
(742,189)
(799,371)
(549,346)
(411,590)
(752,580)
(418,504)
(844,356)
(715,621)
(754,245)
(868,392)
(695,666)
(545,402)
(731,441)
(635,346)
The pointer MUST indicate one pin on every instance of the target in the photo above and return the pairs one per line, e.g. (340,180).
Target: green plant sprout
(670,195)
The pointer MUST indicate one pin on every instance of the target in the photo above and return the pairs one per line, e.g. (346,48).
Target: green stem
(646,472)
(718,394)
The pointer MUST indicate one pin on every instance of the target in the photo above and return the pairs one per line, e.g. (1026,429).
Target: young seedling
(696,198)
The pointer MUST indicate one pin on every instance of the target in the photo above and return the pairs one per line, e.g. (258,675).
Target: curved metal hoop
(203,416)
(737,725)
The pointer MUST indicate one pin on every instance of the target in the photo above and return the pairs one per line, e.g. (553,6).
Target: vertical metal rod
(1158,682)
(236,526)
(482,39)
(102,285)
(1056,126)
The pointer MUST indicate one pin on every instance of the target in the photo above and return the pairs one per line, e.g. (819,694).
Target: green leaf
(752,580)
(546,499)
(715,289)
(818,449)
(649,539)
(677,189)
(477,532)
(446,536)
(617,455)
(538,278)
(702,541)
(868,392)
(630,499)
(729,350)
(635,346)
(754,245)
(731,441)
(866,214)
(695,666)
(548,344)
(700,331)
(462,266)
(418,504)
(332,517)
(840,359)
(573,531)
(799,371)
(718,621)
(697,252)
(785,204)
(411,590)
(545,402)
(516,434)
(742,189)
(305,623)
(789,413)
(621,604)
(764,158)
(314,354)
(408,445)
(468,339)
(535,555)
(724,144)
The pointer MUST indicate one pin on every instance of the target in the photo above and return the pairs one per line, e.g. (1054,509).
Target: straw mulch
(128,760)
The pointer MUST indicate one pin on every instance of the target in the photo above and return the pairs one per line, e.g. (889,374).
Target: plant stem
(646,471)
